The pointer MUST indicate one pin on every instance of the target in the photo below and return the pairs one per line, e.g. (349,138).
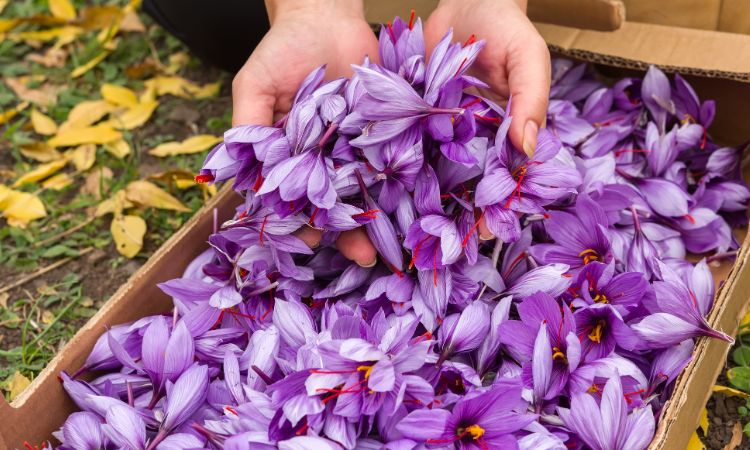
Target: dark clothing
(220,32)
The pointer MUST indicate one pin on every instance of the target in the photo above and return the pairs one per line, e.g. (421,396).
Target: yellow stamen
(589,255)
(453,120)
(475,431)
(596,333)
(557,354)
(593,389)
(601,298)
(366,369)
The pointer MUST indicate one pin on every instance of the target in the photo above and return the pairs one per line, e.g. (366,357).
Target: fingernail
(530,131)
(486,237)
(374,261)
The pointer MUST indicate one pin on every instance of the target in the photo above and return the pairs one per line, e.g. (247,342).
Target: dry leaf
(42,124)
(15,384)
(58,182)
(83,157)
(736,439)
(135,116)
(86,113)
(52,57)
(13,112)
(149,194)
(118,149)
(20,208)
(62,9)
(128,232)
(99,16)
(3,4)
(44,95)
(132,23)
(184,179)
(703,422)
(177,61)
(119,95)
(47,317)
(180,87)
(96,182)
(8,24)
(4,300)
(114,205)
(41,172)
(40,151)
(97,134)
(195,144)
(141,70)
(82,69)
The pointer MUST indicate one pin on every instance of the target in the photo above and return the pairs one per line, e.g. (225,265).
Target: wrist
(278,9)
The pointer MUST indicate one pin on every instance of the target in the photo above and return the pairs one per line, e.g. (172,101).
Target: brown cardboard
(603,15)
(42,407)
(701,14)
(734,16)
(720,64)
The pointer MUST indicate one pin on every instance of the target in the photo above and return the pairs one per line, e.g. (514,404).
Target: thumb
(252,100)
(529,75)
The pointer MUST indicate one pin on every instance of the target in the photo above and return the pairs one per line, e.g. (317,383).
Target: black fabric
(220,32)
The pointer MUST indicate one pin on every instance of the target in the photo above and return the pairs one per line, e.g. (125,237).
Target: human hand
(514,62)
(304,34)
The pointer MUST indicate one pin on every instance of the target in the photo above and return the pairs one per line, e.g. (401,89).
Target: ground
(42,313)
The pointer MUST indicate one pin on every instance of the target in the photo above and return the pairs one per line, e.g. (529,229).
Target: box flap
(603,15)
(636,45)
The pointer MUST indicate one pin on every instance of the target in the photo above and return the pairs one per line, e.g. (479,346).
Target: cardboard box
(719,67)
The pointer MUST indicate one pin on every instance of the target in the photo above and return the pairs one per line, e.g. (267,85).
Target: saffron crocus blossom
(481,420)
(608,426)
(586,303)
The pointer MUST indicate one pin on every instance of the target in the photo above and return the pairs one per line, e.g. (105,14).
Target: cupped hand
(514,62)
(303,36)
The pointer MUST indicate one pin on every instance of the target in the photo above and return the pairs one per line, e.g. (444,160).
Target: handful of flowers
(565,331)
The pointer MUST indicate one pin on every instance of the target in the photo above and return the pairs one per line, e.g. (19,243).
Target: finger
(310,236)
(356,246)
(484,232)
(252,103)
(529,74)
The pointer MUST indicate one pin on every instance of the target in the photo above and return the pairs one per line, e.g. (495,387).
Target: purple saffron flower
(464,332)
(608,426)
(485,419)
(83,430)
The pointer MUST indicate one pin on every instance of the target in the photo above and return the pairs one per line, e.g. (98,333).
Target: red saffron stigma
(389,27)
(204,178)
(705,139)
(411,19)
(472,39)
(461,66)
(434,267)
(258,183)
(471,103)
(520,173)
(303,429)
(231,410)
(369,214)
(690,218)
(622,151)
(517,260)
(415,252)
(488,119)
(262,229)
(465,242)
(630,394)
(393,268)
(312,216)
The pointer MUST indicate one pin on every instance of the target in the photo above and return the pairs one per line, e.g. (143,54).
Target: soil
(722,419)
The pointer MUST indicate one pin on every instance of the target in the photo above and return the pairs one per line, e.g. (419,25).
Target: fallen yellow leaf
(44,95)
(730,392)
(195,144)
(13,112)
(43,124)
(97,17)
(703,423)
(149,194)
(96,182)
(177,61)
(65,34)
(119,95)
(15,384)
(20,208)
(82,69)
(7,24)
(118,149)
(58,182)
(114,205)
(180,87)
(695,443)
(40,151)
(135,116)
(97,134)
(128,232)
(41,172)
(83,157)
(62,9)
(86,113)
(3,4)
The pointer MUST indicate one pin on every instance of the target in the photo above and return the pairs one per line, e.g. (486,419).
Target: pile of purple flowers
(566,331)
